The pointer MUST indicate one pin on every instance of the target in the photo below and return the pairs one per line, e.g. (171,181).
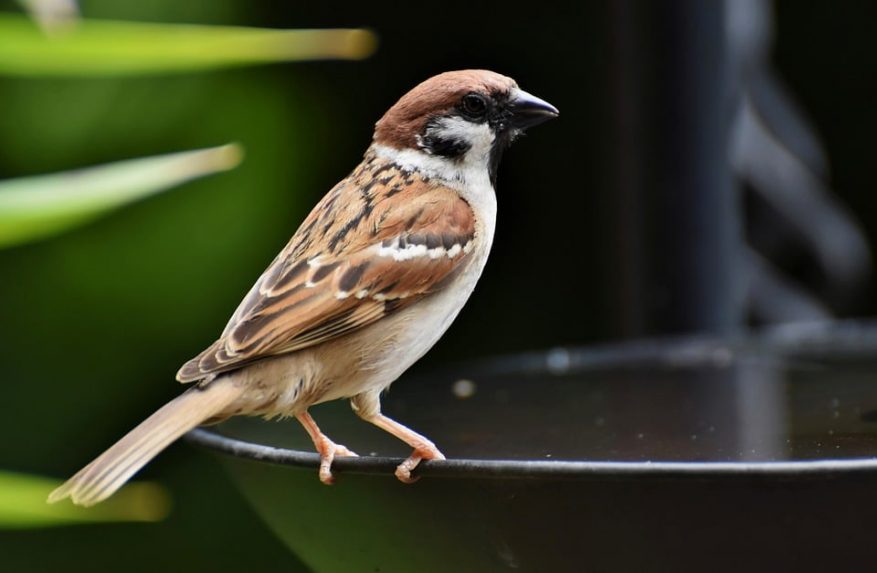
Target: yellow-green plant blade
(36,207)
(105,47)
(23,504)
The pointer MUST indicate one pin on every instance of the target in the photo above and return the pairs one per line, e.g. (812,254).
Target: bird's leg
(368,407)
(424,449)
(326,447)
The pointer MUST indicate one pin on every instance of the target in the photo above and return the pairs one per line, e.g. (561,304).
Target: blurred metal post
(679,243)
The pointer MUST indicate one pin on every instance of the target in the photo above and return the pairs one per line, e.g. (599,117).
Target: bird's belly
(419,330)
(382,352)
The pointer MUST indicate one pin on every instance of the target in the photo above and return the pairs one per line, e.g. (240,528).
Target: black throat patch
(501,143)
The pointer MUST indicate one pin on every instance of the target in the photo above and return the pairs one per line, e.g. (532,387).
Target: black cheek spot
(450,148)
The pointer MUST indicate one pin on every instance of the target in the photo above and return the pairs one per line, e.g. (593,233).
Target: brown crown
(434,97)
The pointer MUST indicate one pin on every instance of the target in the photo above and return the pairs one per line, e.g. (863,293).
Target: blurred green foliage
(23,504)
(36,207)
(95,47)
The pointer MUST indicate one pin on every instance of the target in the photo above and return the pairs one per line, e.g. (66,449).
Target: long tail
(108,472)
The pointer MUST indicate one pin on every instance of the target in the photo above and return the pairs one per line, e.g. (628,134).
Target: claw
(329,450)
(403,470)
(367,406)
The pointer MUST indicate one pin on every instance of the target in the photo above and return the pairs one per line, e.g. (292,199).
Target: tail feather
(109,471)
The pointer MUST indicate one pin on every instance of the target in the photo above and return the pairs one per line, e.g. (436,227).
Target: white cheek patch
(478,136)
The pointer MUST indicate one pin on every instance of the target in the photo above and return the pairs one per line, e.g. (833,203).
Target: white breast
(420,326)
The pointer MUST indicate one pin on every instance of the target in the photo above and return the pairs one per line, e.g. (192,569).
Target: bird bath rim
(846,339)
(518,469)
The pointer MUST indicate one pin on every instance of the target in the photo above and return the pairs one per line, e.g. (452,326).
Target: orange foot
(425,452)
(329,450)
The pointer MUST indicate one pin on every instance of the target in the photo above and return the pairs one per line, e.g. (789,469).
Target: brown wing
(369,248)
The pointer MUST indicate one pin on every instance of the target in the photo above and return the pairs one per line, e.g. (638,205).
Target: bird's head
(466,117)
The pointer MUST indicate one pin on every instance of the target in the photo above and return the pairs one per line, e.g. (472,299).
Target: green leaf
(106,47)
(23,504)
(36,207)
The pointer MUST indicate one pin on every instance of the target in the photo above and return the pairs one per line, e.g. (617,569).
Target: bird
(369,282)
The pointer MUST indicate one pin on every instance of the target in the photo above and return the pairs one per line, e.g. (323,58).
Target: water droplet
(558,361)
(463,389)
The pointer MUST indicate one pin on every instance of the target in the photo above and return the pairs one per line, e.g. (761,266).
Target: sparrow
(366,286)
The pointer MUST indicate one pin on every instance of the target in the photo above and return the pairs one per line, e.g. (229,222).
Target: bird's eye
(474,105)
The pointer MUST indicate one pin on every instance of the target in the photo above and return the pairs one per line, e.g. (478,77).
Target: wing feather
(368,249)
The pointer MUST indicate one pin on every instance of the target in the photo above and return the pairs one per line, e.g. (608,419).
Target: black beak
(528,110)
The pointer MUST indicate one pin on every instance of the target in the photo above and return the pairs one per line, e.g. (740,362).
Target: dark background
(96,322)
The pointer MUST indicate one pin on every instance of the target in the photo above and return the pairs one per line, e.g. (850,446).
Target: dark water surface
(714,405)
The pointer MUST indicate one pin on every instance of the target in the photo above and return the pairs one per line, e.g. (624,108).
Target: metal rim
(471,468)
(851,338)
